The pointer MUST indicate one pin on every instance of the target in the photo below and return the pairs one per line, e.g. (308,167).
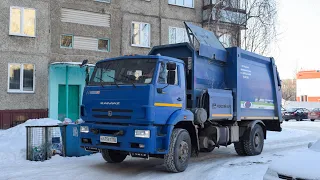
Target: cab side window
(168,73)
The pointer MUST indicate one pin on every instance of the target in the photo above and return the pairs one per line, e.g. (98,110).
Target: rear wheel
(254,145)
(179,153)
(112,156)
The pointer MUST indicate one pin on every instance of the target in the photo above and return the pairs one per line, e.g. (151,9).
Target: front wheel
(179,151)
(254,145)
(112,156)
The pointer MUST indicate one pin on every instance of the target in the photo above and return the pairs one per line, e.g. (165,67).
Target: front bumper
(126,140)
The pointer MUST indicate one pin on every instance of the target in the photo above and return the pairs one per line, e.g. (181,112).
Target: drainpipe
(67,92)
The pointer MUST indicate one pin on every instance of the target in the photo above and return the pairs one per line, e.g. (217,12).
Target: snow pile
(316,146)
(13,140)
(303,164)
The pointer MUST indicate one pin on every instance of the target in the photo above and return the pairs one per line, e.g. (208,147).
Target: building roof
(308,74)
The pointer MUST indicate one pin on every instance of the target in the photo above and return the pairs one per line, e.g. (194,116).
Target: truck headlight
(84,129)
(142,133)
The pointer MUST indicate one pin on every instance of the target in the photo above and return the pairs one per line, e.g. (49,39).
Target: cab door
(170,93)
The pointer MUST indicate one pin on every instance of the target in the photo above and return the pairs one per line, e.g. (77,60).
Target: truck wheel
(112,156)
(254,145)
(179,151)
(239,147)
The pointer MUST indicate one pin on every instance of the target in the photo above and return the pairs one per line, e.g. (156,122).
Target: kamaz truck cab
(179,100)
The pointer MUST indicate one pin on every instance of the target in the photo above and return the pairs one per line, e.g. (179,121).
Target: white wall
(309,87)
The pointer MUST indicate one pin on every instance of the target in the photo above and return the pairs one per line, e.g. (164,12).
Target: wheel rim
(257,140)
(183,151)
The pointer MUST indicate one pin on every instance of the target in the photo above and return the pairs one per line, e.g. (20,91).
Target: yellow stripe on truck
(167,105)
(221,115)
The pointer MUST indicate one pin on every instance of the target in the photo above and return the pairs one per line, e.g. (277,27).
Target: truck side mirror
(171,78)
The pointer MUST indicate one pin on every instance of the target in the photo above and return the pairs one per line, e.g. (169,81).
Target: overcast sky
(299,43)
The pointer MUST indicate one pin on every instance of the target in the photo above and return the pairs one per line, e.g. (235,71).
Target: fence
(43,142)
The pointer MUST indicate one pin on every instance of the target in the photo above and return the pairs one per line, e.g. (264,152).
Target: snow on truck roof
(71,63)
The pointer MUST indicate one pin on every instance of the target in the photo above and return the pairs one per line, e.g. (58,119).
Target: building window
(185,3)
(22,21)
(140,34)
(103,45)
(66,41)
(105,1)
(85,43)
(177,35)
(21,78)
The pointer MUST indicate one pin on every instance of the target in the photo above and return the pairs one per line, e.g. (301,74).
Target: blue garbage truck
(180,100)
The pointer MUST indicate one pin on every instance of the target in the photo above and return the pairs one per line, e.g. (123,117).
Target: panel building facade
(43,41)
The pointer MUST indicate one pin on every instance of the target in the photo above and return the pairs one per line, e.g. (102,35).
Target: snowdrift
(13,140)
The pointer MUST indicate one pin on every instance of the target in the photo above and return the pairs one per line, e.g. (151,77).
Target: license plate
(108,139)
(313,114)
(287,114)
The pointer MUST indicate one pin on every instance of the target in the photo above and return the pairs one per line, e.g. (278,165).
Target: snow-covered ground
(221,164)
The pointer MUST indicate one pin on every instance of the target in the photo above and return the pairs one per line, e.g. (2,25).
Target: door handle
(179,99)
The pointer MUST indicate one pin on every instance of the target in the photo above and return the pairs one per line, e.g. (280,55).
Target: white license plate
(108,139)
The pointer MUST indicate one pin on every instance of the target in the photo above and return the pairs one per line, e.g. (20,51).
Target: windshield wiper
(101,81)
(129,80)
(115,80)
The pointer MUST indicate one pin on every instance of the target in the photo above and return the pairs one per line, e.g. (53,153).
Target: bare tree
(250,24)
(261,25)
(289,89)
(289,86)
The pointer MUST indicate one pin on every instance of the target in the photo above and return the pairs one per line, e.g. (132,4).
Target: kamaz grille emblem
(110,103)
(109,113)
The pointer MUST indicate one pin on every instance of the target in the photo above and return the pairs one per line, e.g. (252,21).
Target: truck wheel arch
(192,130)
(246,126)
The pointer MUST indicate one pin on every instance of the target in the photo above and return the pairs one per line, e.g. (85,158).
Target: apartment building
(43,42)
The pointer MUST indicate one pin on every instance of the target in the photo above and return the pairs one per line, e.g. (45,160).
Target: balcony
(230,12)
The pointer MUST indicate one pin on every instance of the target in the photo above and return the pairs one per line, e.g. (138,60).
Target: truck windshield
(123,72)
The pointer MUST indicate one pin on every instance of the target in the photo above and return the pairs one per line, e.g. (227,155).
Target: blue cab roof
(142,57)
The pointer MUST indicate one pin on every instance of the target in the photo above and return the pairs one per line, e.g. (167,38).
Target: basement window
(21,78)
(22,22)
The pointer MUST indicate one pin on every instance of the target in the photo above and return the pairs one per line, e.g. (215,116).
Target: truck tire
(112,156)
(254,145)
(179,151)
(239,147)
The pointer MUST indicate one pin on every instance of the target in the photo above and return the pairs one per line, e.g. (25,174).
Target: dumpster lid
(210,46)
